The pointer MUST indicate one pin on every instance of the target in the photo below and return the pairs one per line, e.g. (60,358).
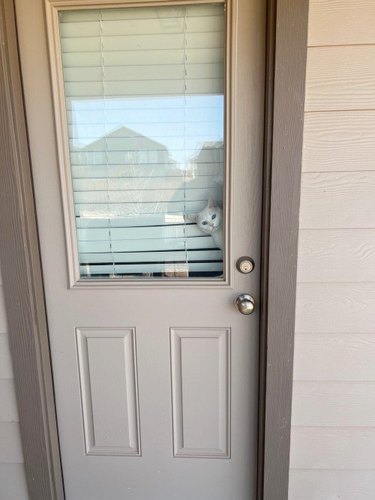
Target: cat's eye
(213,217)
(204,223)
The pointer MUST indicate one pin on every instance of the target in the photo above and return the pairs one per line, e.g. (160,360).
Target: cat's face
(209,219)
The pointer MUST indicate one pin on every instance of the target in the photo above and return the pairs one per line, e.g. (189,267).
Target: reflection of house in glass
(129,174)
(209,161)
(131,199)
(123,146)
(210,152)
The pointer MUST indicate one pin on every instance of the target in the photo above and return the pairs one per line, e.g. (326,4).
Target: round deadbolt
(245,303)
(245,265)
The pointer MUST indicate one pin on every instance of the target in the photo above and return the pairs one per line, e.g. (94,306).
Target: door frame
(22,275)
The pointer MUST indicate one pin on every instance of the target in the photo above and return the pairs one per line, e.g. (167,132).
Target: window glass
(144,90)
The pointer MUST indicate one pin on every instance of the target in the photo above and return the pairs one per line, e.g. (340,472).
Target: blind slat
(138,26)
(167,12)
(148,196)
(143,88)
(138,156)
(136,143)
(149,220)
(143,268)
(211,40)
(144,72)
(152,256)
(102,120)
(147,245)
(140,233)
(169,103)
(128,209)
(133,57)
(149,170)
(141,184)
(165,131)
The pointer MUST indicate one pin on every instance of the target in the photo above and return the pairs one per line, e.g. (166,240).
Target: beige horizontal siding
(334,357)
(3,323)
(332,485)
(12,482)
(12,473)
(10,443)
(341,22)
(338,448)
(338,200)
(334,404)
(336,255)
(333,423)
(339,141)
(340,78)
(6,371)
(335,308)
(8,406)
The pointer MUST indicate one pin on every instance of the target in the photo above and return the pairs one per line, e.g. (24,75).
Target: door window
(144,99)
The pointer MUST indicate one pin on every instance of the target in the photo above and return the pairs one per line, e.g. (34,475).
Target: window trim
(76,281)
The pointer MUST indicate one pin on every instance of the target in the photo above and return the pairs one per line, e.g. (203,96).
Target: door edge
(22,279)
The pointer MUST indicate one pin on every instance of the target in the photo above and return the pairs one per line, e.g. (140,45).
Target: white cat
(210,221)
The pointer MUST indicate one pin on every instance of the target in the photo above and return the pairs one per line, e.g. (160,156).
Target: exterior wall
(12,474)
(333,422)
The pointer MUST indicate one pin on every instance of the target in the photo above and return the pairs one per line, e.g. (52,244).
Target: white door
(145,122)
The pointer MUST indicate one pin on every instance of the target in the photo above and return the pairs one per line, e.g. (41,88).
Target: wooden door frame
(22,274)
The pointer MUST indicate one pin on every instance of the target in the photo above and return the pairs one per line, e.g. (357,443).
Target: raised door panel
(200,391)
(109,391)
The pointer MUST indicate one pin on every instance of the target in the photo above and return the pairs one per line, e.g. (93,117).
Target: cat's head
(209,219)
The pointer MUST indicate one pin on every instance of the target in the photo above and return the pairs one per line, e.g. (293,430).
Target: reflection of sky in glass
(183,124)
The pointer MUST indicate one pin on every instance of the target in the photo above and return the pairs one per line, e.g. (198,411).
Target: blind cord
(185,159)
(106,142)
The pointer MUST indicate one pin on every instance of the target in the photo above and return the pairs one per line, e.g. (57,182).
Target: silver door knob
(245,303)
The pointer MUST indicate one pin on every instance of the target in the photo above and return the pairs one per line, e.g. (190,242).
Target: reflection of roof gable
(127,133)
(211,149)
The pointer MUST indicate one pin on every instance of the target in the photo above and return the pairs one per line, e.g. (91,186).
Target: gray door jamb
(22,279)
(284,114)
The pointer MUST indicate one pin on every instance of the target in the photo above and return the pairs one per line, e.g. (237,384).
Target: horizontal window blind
(144,90)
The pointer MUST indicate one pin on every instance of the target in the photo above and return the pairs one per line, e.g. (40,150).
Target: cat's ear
(191,217)
(211,203)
